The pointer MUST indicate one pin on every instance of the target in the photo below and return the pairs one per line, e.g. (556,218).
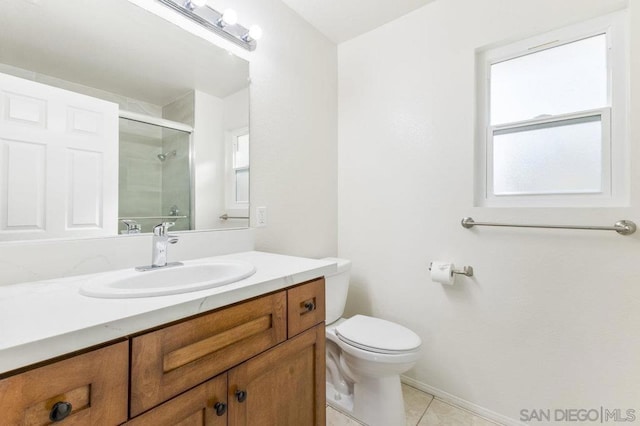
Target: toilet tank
(336,289)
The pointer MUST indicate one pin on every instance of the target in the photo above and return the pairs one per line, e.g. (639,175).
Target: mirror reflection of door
(58,162)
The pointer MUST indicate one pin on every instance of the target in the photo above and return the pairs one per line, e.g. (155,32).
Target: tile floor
(422,410)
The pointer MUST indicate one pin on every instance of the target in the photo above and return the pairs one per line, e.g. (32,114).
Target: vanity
(246,353)
(92,152)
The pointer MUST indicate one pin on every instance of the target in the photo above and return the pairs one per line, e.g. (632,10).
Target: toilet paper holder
(466,270)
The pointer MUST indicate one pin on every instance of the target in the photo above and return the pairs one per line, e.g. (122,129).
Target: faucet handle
(161,229)
(133,227)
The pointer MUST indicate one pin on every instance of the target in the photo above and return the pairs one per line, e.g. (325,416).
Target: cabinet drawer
(305,306)
(94,383)
(171,360)
(205,404)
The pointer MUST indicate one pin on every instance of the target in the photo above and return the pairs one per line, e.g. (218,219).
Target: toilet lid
(377,335)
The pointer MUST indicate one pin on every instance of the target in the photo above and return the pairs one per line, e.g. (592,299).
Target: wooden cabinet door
(204,405)
(305,306)
(94,384)
(173,359)
(284,386)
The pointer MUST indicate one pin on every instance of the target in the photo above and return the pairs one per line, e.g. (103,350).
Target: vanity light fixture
(254,33)
(192,4)
(223,24)
(229,17)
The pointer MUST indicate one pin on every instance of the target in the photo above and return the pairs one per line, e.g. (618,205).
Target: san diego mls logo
(578,415)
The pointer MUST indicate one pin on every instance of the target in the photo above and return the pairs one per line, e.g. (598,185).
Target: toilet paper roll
(442,272)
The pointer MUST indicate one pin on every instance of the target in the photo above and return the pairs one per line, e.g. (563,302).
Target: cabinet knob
(309,306)
(220,408)
(241,395)
(60,411)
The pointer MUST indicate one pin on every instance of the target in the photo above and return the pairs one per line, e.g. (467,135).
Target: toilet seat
(377,335)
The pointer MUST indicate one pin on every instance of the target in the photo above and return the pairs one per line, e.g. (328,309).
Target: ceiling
(341,20)
(90,43)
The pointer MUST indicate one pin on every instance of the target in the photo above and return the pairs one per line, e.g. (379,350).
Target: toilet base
(379,402)
(375,401)
(338,400)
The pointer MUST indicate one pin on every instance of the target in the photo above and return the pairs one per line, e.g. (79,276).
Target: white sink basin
(168,280)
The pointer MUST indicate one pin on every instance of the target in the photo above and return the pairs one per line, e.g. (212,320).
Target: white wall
(209,160)
(236,110)
(293,130)
(293,150)
(551,318)
(293,115)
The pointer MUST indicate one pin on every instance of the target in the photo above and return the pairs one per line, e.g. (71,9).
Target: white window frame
(614,118)
(233,206)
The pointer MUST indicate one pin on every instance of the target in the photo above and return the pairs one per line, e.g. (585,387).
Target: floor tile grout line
(426,409)
(424,413)
(345,415)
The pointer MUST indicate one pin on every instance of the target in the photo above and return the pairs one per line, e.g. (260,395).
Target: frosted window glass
(241,157)
(554,158)
(242,186)
(563,79)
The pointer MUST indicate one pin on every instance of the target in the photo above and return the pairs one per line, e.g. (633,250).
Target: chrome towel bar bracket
(622,227)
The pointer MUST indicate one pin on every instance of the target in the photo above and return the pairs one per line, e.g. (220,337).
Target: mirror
(154,123)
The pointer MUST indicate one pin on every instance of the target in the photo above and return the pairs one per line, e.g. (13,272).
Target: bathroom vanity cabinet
(94,384)
(260,361)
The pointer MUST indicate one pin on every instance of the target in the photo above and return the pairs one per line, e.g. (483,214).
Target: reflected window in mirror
(238,172)
(552,118)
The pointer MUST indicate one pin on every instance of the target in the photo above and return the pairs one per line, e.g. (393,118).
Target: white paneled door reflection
(58,162)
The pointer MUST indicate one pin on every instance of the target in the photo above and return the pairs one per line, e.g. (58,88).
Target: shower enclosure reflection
(154,176)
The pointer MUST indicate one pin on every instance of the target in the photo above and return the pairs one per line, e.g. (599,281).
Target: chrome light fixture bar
(222,24)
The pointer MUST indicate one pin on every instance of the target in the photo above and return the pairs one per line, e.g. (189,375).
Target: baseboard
(461,403)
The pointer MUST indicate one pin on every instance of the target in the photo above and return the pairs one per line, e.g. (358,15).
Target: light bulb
(255,32)
(192,4)
(229,17)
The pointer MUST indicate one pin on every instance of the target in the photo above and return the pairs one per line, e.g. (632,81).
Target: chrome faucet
(159,247)
(133,227)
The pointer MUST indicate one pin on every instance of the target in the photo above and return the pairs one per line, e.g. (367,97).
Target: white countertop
(44,319)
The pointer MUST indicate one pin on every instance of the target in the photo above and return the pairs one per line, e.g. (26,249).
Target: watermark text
(578,415)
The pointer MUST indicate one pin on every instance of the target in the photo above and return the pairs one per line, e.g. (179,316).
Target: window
(552,119)
(241,167)
(238,171)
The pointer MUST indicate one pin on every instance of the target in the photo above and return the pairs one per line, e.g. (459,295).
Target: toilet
(365,357)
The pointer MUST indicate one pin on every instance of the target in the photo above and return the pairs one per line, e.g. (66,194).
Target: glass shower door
(155,176)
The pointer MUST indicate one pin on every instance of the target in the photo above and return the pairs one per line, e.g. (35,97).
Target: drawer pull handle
(60,411)
(241,395)
(310,306)
(220,408)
